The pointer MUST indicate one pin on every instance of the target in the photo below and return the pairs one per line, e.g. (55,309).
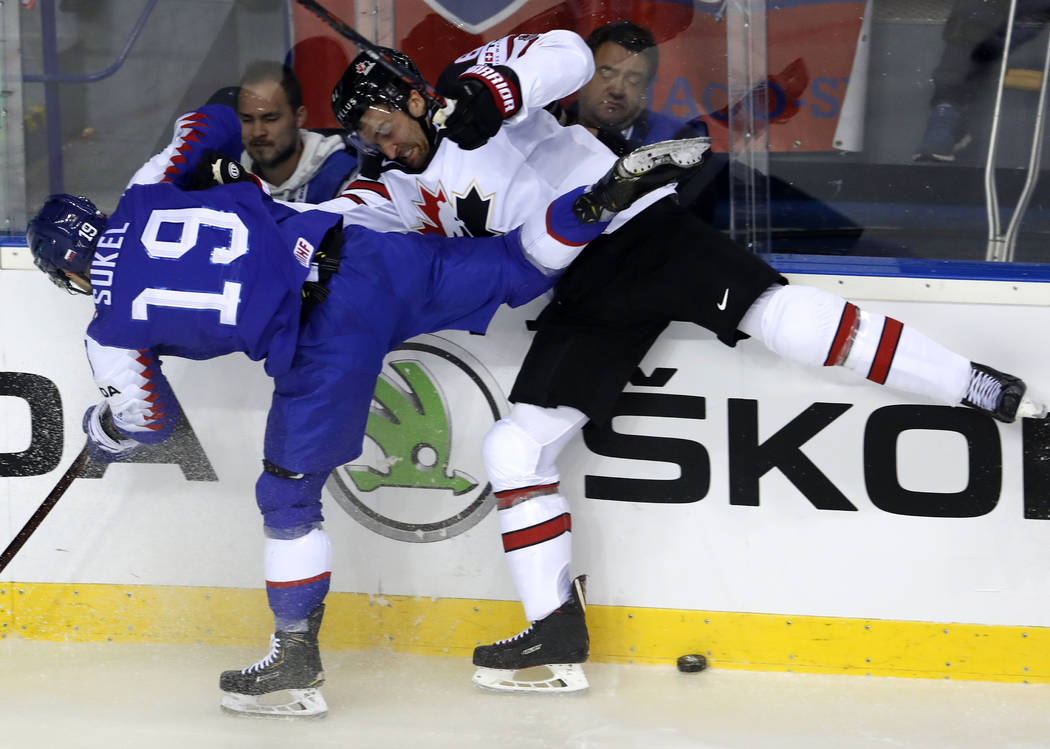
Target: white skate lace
(984,390)
(275,648)
(516,637)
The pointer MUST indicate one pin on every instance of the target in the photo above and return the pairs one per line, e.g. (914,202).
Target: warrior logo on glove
(503,90)
(485,95)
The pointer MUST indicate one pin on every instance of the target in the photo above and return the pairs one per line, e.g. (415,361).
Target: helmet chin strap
(74,287)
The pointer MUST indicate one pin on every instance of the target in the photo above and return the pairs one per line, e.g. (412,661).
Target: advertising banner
(730,480)
(811,50)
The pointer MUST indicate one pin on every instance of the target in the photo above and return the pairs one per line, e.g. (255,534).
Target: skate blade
(288,703)
(1030,409)
(685,153)
(564,677)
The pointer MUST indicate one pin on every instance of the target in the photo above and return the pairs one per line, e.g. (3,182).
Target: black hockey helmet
(63,237)
(364,84)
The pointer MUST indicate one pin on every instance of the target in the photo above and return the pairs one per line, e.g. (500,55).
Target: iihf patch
(364,67)
(304,251)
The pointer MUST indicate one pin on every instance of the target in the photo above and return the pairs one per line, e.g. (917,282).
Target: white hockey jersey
(492,189)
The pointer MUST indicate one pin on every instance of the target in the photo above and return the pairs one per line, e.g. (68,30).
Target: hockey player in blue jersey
(197,261)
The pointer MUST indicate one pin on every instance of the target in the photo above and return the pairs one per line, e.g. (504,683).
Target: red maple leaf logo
(430,207)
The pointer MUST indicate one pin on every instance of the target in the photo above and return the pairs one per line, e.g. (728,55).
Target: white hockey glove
(105,443)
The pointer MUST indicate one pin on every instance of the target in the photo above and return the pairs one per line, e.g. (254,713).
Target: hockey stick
(443,106)
(38,517)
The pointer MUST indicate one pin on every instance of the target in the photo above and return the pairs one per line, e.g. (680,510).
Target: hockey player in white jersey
(428,183)
(498,156)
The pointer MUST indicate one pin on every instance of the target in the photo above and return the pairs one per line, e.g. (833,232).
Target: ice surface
(159,696)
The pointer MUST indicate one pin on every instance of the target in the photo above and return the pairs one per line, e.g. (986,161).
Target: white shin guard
(898,356)
(816,327)
(520,453)
(537,541)
(298,558)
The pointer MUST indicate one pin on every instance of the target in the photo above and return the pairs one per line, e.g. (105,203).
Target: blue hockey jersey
(204,273)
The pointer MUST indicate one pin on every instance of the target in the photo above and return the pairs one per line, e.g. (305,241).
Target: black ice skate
(639,172)
(1001,395)
(293,667)
(559,642)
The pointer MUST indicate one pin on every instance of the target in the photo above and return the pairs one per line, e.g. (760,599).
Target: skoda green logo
(420,477)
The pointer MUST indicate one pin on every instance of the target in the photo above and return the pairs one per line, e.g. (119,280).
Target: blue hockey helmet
(63,237)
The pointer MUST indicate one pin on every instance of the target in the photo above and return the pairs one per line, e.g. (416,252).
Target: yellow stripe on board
(451,626)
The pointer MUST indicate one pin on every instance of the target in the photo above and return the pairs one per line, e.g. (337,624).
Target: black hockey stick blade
(38,517)
(443,106)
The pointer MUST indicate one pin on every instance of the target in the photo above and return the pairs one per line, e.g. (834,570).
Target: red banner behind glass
(810,54)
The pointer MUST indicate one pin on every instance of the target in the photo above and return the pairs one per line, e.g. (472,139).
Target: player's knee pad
(513,459)
(801,323)
(288,500)
(521,450)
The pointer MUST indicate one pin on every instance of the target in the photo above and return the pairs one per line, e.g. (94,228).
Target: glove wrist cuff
(501,82)
(103,446)
(105,420)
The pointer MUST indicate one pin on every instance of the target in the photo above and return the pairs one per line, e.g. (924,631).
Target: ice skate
(283,684)
(557,644)
(1000,395)
(639,172)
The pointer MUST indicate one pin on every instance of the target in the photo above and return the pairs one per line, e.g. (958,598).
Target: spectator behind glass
(974,38)
(299,165)
(613,104)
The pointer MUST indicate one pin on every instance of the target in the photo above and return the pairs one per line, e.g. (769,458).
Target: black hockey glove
(324,265)
(484,96)
(215,169)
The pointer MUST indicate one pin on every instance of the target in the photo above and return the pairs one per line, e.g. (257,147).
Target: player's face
(80,282)
(396,134)
(616,95)
(269,127)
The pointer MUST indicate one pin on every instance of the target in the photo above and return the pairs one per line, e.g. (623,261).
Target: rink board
(772,516)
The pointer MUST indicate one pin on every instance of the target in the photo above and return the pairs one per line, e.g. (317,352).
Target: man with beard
(299,165)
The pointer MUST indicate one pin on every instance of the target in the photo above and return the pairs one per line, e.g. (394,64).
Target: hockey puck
(691,663)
